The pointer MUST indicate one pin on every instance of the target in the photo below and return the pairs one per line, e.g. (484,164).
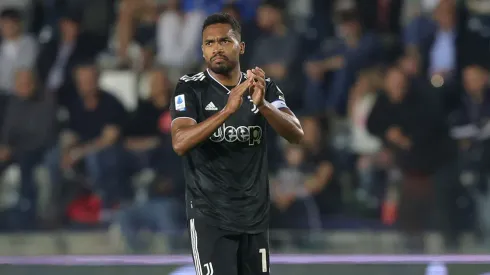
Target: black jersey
(226,175)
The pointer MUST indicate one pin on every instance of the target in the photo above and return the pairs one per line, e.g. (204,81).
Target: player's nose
(218,49)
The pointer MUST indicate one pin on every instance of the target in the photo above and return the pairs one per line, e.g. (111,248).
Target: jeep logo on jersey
(250,134)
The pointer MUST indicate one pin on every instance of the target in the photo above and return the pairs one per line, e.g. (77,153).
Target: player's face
(221,48)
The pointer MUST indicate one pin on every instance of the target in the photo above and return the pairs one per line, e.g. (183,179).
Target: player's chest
(247,114)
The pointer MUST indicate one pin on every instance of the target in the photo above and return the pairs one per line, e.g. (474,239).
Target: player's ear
(242,47)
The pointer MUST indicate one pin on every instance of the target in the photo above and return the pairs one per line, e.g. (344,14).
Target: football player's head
(221,42)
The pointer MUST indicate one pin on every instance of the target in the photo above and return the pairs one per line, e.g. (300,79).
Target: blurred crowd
(393,97)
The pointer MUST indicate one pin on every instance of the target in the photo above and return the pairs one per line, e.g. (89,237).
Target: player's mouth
(219,58)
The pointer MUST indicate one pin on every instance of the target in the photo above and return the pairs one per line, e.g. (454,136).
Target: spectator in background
(17,49)
(25,7)
(325,187)
(178,39)
(421,26)
(384,17)
(471,128)
(276,49)
(366,146)
(27,137)
(21,5)
(250,32)
(412,125)
(441,51)
(410,64)
(135,18)
(333,70)
(247,8)
(95,124)
(293,206)
(162,213)
(59,56)
(146,136)
(149,145)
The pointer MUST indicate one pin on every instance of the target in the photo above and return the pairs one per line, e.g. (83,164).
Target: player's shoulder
(198,79)
(270,85)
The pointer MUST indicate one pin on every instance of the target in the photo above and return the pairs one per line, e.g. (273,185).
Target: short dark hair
(278,5)
(86,64)
(222,18)
(11,13)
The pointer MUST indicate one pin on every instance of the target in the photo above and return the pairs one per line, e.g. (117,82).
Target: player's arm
(275,110)
(284,122)
(186,132)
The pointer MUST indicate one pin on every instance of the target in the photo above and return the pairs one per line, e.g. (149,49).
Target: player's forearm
(286,125)
(186,138)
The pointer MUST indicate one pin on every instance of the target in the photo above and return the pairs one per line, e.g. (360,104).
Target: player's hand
(235,99)
(257,92)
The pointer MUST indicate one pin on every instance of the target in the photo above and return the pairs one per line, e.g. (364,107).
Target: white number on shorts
(209,268)
(263,254)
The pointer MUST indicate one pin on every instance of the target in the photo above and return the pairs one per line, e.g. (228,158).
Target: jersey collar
(226,88)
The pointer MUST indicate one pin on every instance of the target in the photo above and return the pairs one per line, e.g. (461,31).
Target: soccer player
(220,118)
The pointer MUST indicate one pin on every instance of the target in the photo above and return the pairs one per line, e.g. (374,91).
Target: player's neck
(230,79)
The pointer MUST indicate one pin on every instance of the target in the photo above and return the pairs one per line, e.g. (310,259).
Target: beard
(222,68)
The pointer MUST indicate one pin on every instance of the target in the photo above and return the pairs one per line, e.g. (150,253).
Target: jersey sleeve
(274,95)
(184,102)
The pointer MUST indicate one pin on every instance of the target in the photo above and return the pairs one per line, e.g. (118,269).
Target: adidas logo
(211,107)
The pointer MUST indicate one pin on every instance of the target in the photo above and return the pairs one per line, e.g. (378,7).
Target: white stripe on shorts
(195,251)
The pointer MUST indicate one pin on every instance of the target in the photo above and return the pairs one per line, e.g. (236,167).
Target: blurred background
(393,96)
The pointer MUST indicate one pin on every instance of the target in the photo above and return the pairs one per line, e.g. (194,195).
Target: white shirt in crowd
(178,38)
(362,141)
(14,55)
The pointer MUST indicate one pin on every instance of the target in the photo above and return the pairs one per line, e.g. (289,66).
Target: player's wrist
(264,105)
(260,104)
(226,111)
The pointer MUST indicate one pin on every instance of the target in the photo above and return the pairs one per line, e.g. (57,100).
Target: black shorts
(220,252)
